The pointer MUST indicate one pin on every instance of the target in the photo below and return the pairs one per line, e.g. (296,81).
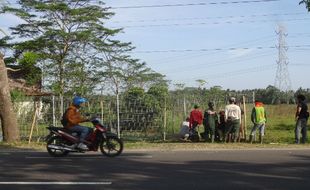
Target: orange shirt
(74,117)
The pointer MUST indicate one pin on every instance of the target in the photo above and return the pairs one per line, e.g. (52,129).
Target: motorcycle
(61,141)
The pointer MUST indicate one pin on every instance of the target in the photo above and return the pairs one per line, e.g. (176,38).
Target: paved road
(221,169)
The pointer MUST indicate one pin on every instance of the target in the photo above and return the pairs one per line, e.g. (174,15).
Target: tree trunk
(8,119)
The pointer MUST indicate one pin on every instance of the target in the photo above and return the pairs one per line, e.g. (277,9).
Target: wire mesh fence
(138,119)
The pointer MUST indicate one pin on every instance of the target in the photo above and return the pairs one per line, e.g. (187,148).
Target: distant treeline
(272,95)
(269,95)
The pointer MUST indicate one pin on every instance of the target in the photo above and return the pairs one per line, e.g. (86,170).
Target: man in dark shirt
(301,118)
(210,122)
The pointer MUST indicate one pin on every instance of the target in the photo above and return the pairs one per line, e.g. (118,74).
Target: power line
(193,4)
(209,18)
(237,72)
(227,63)
(214,49)
(187,56)
(300,64)
(201,66)
(303,49)
(242,72)
(209,23)
(262,39)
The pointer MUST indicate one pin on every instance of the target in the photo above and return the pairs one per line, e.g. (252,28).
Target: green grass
(280,123)
(279,128)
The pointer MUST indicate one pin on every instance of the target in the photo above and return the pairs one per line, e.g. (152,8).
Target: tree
(307,2)
(201,83)
(122,72)
(216,95)
(33,74)
(8,119)
(64,33)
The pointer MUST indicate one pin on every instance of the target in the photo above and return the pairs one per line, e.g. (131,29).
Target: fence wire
(139,120)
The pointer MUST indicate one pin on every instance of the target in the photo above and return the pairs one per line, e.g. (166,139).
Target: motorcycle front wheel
(54,145)
(111,147)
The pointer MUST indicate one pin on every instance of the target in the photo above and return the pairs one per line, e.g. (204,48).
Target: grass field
(280,123)
(279,128)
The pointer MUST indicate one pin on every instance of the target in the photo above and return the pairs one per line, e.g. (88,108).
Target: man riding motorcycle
(73,120)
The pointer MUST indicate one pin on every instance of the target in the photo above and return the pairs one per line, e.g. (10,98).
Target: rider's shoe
(73,146)
(82,146)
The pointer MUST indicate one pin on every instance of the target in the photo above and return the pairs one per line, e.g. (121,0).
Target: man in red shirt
(195,118)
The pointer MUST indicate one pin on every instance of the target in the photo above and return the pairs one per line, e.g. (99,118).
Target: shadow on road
(141,171)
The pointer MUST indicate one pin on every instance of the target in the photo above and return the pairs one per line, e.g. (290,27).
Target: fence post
(117,105)
(184,107)
(53,108)
(245,127)
(165,119)
(101,107)
(34,118)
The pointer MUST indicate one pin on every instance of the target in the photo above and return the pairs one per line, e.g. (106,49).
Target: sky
(227,43)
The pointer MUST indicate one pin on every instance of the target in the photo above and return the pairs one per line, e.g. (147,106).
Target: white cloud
(239,52)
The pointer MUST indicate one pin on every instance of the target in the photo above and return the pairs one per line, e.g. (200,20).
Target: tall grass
(280,123)
(279,128)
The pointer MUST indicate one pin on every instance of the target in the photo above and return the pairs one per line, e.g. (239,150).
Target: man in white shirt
(232,119)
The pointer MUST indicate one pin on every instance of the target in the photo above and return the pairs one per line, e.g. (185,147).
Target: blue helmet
(79,100)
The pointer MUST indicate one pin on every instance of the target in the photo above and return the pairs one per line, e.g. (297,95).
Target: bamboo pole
(244,119)
(165,119)
(34,118)
(37,116)
(53,110)
(118,116)
(184,107)
(101,106)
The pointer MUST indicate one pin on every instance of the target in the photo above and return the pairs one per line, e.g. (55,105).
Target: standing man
(259,119)
(301,118)
(195,118)
(232,119)
(210,122)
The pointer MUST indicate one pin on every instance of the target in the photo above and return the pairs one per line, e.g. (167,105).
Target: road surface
(148,170)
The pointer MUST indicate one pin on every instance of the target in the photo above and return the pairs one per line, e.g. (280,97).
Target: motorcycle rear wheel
(56,141)
(111,147)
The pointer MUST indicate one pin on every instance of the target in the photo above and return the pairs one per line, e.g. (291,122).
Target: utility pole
(282,80)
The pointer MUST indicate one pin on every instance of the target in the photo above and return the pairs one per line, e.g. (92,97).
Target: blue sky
(207,27)
(235,30)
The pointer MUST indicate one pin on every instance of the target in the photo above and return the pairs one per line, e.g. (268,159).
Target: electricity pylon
(282,81)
